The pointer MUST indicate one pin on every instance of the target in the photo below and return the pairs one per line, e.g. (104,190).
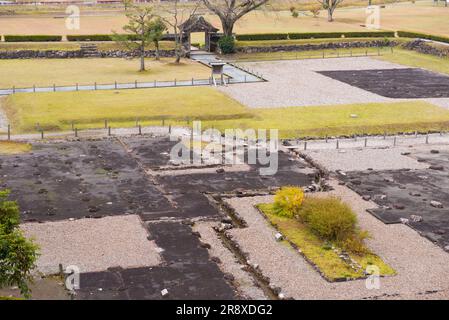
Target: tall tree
(330,6)
(230,11)
(177,15)
(158,28)
(139,31)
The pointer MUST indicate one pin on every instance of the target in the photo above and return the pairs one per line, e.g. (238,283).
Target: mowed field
(179,106)
(422,16)
(46,72)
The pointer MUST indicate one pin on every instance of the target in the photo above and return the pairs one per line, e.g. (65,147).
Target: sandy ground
(93,244)
(421,267)
(295,83)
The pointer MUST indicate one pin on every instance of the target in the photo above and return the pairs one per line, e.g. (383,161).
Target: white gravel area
(229,263)
(93,244)
(364,159)
(398,141)
(295,83)
(440,102)
(420,265)
(3,117)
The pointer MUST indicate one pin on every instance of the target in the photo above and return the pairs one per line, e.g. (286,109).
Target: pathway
(237,74)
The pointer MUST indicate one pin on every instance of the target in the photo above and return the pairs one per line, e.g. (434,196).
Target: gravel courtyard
(93,244)
(297,83)
(398,245)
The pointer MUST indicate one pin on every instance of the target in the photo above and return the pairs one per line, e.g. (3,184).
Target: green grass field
(417,60)
(56,111)
(46,72)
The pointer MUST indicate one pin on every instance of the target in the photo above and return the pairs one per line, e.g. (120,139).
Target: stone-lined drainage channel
(261,281)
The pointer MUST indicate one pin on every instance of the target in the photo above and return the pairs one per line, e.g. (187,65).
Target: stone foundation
(320,46)
(60,54)
(423,47)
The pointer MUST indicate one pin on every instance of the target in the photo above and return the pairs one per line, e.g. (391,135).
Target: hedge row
(32,38)
(84,38)
(90,37)
(109,37)
(313,35)
(406,34)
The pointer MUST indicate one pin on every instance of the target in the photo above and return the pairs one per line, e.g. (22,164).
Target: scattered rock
(436,204)
(435,167)
(416,218)
(220,170)
(398,206)
(229,277)
(278,236)
(403,220)
(434,151)
(366,197)
(216,260)
(164,292)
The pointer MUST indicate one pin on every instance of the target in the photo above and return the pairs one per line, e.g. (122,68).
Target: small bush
(329,218)
(18,255)
(227,44)
(32,38)
(295,14)
(355,243)
(288,201)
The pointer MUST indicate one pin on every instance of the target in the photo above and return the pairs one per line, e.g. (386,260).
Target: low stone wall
(60,54)
(423,47)
(319,46)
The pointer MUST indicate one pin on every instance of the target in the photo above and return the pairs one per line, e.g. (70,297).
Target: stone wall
(424,47)
(60,54)
(319,46)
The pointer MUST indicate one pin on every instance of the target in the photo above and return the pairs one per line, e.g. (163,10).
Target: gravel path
(93,244)
(228,262)
(421,266)
(364,159)
(3,117)
(295,83)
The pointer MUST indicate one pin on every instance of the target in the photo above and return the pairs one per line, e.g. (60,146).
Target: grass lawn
(320,253)
(319,121)
(417,60)
(56,111)
(309,54)
(9,147)
(46,72)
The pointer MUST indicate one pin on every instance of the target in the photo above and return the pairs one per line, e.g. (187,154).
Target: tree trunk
(156,44)
(142,58)
(330,14)
(228,27)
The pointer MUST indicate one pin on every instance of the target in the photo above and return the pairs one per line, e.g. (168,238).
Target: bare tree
(230,11)
(330,6)
(139,31)
(177,16)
